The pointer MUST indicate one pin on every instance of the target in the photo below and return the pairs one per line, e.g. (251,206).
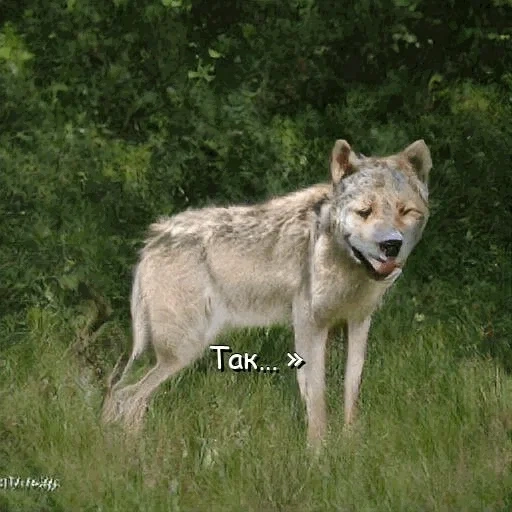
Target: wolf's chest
(342,290)
(333,302)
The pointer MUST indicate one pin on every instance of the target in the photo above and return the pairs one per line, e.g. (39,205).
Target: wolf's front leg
(310,345)
(357,333)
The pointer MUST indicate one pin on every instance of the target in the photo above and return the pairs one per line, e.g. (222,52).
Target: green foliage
(13,54)
(114,113)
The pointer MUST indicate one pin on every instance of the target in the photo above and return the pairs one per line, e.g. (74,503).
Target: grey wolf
(313,259)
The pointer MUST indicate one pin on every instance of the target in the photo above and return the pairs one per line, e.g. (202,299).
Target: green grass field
(434,433)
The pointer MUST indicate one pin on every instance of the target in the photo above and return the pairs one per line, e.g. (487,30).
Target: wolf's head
(380,205)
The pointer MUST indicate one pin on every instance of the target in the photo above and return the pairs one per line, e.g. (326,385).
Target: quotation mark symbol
(295,361)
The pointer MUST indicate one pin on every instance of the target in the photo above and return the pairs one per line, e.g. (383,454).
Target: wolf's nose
(391,248)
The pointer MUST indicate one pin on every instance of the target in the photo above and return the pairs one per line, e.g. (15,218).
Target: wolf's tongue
(386,267)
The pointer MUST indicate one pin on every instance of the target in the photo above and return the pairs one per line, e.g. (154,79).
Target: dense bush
(112,113)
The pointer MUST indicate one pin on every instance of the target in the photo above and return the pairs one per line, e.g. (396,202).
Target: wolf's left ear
(419,157)
(343,161)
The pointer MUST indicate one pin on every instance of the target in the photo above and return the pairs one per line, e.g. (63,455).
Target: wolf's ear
(343,161)
(419,157)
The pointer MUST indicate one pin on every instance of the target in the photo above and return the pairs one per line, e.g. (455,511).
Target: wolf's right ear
(343,161)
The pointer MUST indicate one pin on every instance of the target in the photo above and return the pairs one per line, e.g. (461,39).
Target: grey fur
(313,259)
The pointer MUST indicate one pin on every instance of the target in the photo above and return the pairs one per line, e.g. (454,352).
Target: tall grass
(434,431)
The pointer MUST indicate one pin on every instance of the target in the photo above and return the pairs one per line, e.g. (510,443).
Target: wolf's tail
(140,325)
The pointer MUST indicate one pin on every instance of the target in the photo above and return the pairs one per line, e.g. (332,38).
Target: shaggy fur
(313,259)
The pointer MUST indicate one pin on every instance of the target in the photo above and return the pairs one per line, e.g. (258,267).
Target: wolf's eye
(364,213)
(407,211)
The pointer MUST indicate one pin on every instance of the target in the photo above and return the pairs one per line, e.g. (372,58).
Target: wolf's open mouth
(377,268)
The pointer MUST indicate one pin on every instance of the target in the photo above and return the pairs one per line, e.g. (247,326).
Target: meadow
(434,431)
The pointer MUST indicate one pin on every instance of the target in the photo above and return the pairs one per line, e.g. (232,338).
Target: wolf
(315,259)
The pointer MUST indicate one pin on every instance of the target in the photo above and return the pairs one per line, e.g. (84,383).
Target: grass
(434,433)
